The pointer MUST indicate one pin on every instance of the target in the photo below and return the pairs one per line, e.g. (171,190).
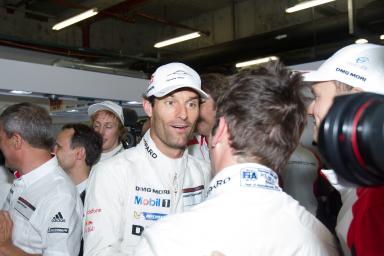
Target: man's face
(324,93)
(108,127)
(206,117)
(65,154)
(6,147)
(173,119)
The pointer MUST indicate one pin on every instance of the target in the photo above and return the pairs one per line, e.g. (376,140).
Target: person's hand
(6,226)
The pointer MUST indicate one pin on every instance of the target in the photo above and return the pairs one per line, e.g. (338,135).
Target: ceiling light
(75,19)
(72,111)
(256,61)
(20,92)
(133,102)
(382,37)
(361,41)
(282,36)
(177,39)
(306,4)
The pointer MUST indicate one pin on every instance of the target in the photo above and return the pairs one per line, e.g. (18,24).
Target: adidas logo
(58,218)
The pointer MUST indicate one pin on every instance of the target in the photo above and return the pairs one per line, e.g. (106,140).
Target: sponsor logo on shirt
(58,230)
(93,211)
(219,183)
(137,230)
(193,196)
(152,190)
(58,218)
(149,150)
(25,208)
(88,227)
(152,216)
(154,202)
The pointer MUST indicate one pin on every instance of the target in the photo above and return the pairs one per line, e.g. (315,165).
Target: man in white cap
(354,68)
(258,124)
(107,119)
(157,177)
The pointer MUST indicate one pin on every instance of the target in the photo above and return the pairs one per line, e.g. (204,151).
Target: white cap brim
(100,106)
(162,93)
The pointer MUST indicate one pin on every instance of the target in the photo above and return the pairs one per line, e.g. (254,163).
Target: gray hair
(31,121)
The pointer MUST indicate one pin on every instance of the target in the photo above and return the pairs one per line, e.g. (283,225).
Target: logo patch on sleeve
(58,230)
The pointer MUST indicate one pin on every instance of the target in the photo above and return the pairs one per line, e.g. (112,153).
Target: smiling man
(157,177)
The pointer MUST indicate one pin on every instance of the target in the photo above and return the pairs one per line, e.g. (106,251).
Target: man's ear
(147,107)
(17,140)
(80,153)
(221,132)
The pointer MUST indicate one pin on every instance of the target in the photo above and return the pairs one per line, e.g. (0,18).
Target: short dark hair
(31,121)
(214,84)
(265,112)
(84,136)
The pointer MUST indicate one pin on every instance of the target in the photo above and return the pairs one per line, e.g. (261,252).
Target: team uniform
(46,212)
(245,213)
(133,190)
(360,225)
(115,151)
(198,147)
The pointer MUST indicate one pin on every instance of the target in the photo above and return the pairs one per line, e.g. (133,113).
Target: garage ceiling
(122,35)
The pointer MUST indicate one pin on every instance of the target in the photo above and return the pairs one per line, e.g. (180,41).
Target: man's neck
(79,173)
(32,159)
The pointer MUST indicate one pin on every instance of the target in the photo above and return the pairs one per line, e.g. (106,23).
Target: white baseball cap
(107,105)
(173,76)
(358,65)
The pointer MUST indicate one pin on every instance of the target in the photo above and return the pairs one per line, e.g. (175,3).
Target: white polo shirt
(46,212)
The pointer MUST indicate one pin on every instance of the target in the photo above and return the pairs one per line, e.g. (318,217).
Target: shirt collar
(82,186)
(111,153)
(152,152)
(41,171)
(244,176)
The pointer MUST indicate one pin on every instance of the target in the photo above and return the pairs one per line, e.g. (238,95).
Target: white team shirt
(246,213)
(134,189)
(46,212)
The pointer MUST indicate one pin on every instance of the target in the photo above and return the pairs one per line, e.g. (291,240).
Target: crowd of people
(219,169)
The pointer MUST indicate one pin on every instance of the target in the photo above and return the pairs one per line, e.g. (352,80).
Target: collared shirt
(134,189)
(245,213)
(113,152)
(46,211)
(82,186)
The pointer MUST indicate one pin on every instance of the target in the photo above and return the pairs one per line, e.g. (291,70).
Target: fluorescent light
(307,4)
(133,102)
(72,111)
(20,92)
(361,41)
(75,19)
(177,39)
(382,37)
(257,61)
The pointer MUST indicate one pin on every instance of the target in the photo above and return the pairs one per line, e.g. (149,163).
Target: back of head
(357,65)
(214,84)
(31,121)
(265,112)
(85,136)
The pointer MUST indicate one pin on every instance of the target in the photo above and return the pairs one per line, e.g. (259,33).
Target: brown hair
(121,129)
(265,112)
